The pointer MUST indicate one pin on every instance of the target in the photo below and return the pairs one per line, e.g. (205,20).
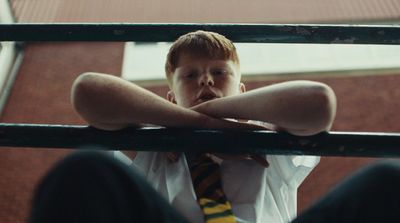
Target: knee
(88,157)
(82,164)
(387,172)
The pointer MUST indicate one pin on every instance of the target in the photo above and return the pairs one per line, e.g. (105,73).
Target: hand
(173,157)
(258,158)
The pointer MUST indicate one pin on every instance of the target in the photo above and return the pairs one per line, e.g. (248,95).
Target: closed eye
(218,72)
(191,75)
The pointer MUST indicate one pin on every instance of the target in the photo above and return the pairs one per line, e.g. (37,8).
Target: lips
(206,96)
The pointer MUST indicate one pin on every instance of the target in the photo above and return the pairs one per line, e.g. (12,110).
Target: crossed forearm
(111,103)
(299,107)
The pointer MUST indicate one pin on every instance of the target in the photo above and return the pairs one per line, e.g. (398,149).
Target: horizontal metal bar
(257,33)
(358,144)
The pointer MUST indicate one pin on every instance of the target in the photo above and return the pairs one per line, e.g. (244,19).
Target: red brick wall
(41,95)
(257,11)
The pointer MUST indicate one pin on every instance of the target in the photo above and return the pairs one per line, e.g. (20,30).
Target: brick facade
(41,95)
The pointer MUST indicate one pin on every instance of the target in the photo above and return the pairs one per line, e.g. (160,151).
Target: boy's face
(197,80)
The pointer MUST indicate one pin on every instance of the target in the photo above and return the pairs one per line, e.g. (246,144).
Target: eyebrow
(186,69)
(215,65)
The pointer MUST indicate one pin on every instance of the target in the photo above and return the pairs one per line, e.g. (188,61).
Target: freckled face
(197,80)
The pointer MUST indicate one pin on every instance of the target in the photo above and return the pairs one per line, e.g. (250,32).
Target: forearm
(299,107)
(111,103)
(108,102)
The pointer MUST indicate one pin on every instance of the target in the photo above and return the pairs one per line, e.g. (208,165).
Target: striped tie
(206,179)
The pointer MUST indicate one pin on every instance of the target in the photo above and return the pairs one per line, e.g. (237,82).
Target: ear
(242,87)
(171,96)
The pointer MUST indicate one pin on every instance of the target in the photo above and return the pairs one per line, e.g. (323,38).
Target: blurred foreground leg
(371,195)
(93,187)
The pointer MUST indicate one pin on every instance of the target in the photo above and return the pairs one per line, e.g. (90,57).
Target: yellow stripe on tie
(207,184)
(227,219)
(212,207)
(215,212)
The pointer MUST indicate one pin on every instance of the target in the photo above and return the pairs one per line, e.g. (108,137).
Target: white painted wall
(146,61)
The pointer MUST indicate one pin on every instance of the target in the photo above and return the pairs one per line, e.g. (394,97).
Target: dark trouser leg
(93,187)
(371,195)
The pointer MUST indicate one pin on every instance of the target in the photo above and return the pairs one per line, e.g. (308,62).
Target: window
(145,62)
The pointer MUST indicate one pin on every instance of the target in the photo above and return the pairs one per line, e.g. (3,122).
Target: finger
(172,157)
(261,160)
(221,123)
(225,156)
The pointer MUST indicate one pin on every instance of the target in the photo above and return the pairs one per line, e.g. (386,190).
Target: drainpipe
(10,56)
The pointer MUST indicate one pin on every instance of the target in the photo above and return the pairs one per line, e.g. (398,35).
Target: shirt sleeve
(122,157)
(293,169)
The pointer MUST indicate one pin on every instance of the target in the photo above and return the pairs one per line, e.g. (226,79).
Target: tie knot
(206,177)
(207,184)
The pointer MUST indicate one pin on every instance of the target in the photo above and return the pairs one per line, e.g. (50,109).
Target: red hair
(203,44)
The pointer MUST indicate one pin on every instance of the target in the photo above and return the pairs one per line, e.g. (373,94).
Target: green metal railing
(360,144)
(257,33)
(230,141)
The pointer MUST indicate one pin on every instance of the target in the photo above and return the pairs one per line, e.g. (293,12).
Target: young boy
(203,73)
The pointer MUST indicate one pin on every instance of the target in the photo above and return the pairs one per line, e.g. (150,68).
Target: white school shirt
(257,194)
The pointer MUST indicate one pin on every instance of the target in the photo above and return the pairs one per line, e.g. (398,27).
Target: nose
(206,79)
